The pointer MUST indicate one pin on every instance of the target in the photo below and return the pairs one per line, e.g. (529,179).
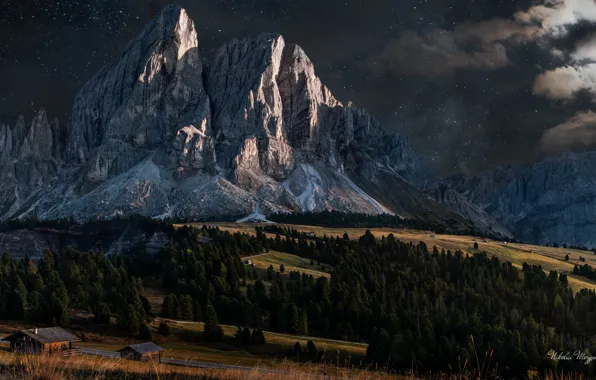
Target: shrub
(164,329)
(258,337)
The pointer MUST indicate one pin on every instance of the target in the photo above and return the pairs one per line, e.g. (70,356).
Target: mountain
(30,156)
(159,132)
(444,193)
(553,201)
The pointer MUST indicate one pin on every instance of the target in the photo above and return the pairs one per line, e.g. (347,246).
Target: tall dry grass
(57,367)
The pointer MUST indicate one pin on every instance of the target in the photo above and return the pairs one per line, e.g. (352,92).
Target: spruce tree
(212,331)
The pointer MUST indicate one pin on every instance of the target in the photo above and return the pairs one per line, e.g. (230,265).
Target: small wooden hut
(144,352)
(50,339)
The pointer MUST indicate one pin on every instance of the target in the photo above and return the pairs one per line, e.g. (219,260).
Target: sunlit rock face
(139,102)
(254,130)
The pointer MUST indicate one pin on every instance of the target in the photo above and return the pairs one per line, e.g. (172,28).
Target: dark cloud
(577,132)
(575,36)
(469,46)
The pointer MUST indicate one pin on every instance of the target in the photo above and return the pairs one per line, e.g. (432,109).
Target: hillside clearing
(517,253)
(292,263)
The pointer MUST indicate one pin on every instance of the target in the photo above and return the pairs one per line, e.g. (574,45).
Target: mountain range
(163,132)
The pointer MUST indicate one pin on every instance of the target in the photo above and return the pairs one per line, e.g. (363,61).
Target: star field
(467,105)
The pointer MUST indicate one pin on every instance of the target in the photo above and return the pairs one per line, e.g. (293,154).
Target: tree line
(411,304)
(339,219)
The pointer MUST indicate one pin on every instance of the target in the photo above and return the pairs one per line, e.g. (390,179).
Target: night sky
(474,83)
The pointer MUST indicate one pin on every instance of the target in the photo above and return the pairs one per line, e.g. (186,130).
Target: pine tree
(297,351)
(257,337)
(242,336)
(303,322)
(102,314)
(185,308)
(169,306)
(129,320)
(15,302)
(197,311)
(311,350)
(212,331)
(145,332)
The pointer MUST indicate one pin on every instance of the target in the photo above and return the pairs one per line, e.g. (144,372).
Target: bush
(164,329)
(257,337)
(242,336)
(311,350)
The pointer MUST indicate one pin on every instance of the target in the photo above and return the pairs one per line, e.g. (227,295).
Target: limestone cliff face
(551,201)
(29,159)
(254,130)
(137,103)
(445,194)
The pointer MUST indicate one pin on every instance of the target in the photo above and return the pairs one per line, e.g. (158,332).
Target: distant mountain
(551,201)
(157,132)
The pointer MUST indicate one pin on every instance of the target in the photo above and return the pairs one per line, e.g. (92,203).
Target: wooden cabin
(144,352)
(44,340)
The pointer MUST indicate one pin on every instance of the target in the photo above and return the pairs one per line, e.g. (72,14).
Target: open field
(185,343)
(276,345)
(548,257)
(291,263)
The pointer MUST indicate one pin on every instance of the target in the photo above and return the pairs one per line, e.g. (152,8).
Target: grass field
(268,355)
(291,263)
(548,257)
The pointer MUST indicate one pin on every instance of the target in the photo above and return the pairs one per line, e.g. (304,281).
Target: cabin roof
(46,335)
(143,348)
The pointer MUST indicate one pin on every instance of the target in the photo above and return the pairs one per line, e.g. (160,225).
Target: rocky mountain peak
(29,158)
(137,103)
(39,140)
(255,131)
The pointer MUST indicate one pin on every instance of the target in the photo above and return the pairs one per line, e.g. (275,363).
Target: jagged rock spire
(257,131)
(141,99)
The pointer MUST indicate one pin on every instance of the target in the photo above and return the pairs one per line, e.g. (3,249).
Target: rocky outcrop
(156,132)
(29,160)
(551,201)
(445,194)
(111,236)
(135,106)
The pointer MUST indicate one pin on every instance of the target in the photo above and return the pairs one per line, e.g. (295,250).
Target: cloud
(569,27)
(565,82)
(579,131)
(471,45)
(554,16)
(566,28)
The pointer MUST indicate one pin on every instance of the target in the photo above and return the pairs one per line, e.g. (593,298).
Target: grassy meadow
(292,263)
(548,257)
